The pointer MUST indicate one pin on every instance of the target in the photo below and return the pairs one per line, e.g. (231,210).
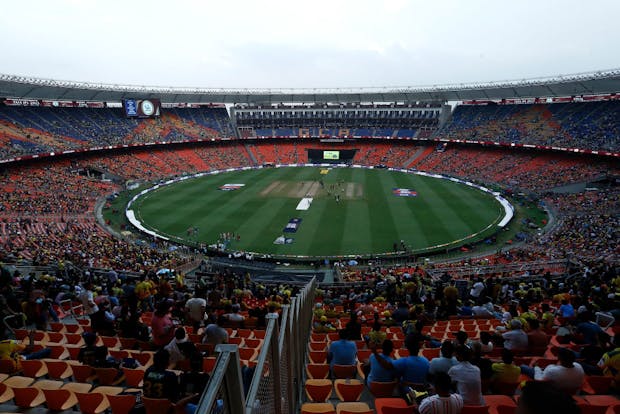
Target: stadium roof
(591,83)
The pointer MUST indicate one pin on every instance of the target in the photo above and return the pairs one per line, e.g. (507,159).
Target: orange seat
(247,354)
(392,405)
(157,405)
(119,355)
(430,353)
(55,337)
(110,341)
(58,352)
(59,370)
(133,377)
(317,346)
(60,400)
(593,409)
(259,333)
(344,371)
(318,371)
(348,389)
(145,358)
(353,408)
(127,343)
(318,390)
(121,404)
(74,351)
(28,397)
(83,373)
(244,333)
(109,376)
(317,357)
(57,326)
(208,364)
(237,340)
(74,339)
(92,403)
(363,354)
(253,342)
(320,408)
(6,393)
(34,368)
(475,409)
(382,389)
(495,401)
(597,384)
(505,409)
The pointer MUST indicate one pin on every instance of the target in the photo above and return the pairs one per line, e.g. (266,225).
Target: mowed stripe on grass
(442,212)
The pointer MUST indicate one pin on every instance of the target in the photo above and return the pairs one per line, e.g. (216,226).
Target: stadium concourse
(90,313)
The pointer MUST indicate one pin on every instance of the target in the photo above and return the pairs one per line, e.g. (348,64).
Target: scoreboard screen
(331,155)
(142,108)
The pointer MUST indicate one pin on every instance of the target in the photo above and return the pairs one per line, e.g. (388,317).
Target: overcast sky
(306,44)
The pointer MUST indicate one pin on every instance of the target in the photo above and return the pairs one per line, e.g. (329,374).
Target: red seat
(121,404)
(34,368)
(475,409)
(318,390)
(344,371)
(60,400)
(317,371)
(382,389)
(392,406)
(348,389)
(92,403)
(133,377)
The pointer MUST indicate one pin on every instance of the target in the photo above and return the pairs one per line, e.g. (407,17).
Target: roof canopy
(593,83)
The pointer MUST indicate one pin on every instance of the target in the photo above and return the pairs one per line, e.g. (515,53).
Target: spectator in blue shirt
(413,368)
(343,351)
(566,310)
(377,371)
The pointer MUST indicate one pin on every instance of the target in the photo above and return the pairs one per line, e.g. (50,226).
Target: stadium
(299,238)
(392,188)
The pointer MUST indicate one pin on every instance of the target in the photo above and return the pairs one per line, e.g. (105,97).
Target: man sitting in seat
(91,354)
(343,351)
(159,382)
(444,402)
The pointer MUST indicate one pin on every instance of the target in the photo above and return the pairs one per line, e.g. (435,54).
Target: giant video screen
(142,108)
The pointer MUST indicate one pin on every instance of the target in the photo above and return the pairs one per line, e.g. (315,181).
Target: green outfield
(367,219)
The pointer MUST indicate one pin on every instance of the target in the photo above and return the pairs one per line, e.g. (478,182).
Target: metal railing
(275,382)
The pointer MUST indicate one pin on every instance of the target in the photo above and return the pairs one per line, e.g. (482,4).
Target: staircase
(250,153)
(419,155)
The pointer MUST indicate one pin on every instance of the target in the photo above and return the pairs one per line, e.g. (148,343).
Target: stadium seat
(318,390)
(317,371)
(60,400)
(353,408)
(597,384)
(121,404)
(344,371)
(59,370)
(28,397)
(382,389)
(109,376)
(134,377)
(317,408)
(6,393)
(475,409)
(348,390)
(92,403)
(391,405)
(34,368)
